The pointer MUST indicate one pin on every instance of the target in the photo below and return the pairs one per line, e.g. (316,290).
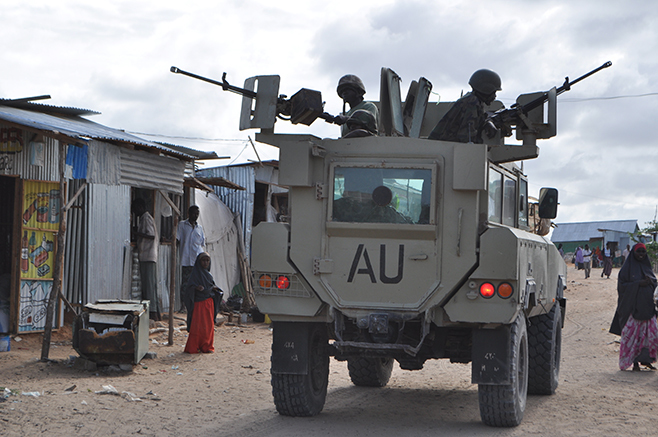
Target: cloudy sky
(114,57)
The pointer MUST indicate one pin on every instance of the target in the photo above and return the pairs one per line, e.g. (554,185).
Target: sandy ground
(228,392)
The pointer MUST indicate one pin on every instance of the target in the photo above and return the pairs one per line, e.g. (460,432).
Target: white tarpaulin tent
(222,239)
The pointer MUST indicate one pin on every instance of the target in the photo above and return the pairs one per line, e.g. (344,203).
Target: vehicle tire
(304,395)
(544,351)
(370,372)
(504,405)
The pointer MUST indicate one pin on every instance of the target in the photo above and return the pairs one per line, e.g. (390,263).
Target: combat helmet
(485,81)
(350,80)
(362,119)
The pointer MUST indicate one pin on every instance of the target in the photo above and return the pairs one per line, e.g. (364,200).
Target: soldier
(351,90)
(466,119)
(361,123)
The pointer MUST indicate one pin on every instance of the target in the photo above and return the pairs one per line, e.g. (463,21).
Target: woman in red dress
(201,335)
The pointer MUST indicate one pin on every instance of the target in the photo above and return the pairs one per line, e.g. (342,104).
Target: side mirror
(548,203)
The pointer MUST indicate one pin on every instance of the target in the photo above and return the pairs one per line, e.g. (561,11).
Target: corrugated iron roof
(46,109)
(80,128)
(202,182)
(584,231)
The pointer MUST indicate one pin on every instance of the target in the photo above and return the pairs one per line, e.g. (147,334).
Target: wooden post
(59,258)
(172,266)
(172,280)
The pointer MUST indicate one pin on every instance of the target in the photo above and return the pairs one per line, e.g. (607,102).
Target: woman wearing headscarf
(635,318)
(206,294)
(608,255)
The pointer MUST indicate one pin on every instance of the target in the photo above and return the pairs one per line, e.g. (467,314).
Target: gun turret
(517,114)
(304,107)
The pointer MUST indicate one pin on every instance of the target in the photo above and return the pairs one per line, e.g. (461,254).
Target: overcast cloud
(114,57)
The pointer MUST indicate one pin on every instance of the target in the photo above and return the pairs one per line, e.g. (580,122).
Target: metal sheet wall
(19,163)
(241,202)
(104,164)
(74,285)
(146,170)
(164,261)
(108,237)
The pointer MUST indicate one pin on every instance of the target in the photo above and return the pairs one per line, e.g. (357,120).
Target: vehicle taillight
(265,281)
(487,290)
(505,290)
(282,282)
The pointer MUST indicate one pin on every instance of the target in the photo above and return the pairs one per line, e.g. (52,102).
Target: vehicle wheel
(370,372)
(544,351)
(304,395)
(503,405)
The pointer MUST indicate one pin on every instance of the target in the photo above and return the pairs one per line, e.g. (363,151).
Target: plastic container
(5,343)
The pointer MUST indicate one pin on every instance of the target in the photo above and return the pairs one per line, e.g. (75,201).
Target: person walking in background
(607,261)
(587,260)
(206,295)
(560,250)
(578,258)
(192,243)
(147,248)
(596,257)
(625,253)
(635,317)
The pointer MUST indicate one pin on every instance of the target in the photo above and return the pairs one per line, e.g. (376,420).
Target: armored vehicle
(403,249)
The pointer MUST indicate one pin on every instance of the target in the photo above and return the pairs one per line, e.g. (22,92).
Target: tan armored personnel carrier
(403,249)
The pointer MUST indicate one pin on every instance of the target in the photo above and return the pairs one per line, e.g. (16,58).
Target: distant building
(595,234)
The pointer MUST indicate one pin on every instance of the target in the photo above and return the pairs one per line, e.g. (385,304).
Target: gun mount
(262,104)
(533,116)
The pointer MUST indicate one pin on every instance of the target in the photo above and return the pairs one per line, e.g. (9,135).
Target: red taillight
(505,290)
(282,283)
(487,290)
(265,281)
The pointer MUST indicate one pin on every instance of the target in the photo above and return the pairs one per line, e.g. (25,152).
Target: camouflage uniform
(463,122)
(365,106)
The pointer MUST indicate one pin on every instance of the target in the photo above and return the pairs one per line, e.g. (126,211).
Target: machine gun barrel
(224,84)
(566,86)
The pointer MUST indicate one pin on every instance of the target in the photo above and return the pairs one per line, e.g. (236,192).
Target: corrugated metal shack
(263,199)
(595,234)
(111,168)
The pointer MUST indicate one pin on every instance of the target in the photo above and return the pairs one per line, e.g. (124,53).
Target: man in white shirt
(587,260)
(625,253)
(192,242)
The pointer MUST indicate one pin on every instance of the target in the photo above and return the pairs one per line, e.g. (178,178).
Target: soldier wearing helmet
(466,119)
(351,90)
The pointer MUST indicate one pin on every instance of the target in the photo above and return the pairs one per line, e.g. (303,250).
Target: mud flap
(290,348)
(490,355)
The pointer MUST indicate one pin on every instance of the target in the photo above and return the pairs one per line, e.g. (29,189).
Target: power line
(188,138)
(587,99)
(595,197)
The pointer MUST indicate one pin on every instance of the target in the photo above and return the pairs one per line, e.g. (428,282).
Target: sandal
(648,366)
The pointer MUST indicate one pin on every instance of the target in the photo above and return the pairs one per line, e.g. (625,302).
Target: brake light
(282,283)
(487,290)
(505,290)
(265,281)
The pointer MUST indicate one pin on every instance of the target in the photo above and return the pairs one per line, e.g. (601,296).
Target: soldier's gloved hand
(340,119)
(490,128)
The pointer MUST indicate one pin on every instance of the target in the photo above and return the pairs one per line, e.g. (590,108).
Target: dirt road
(228,393)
